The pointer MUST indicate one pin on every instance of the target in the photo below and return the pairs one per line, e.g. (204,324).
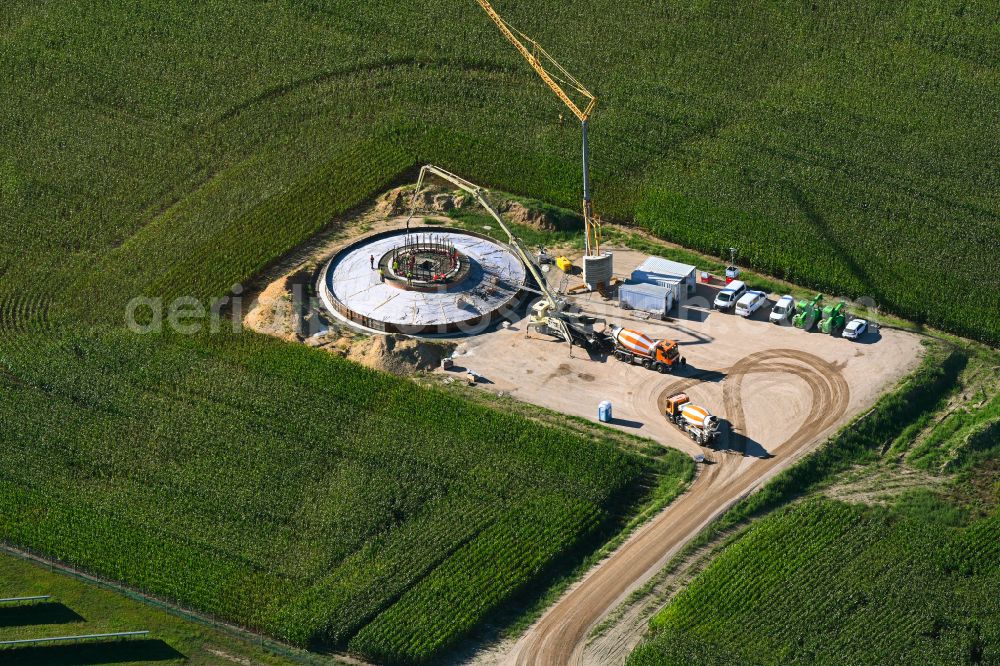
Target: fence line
(288,652)
(85,637)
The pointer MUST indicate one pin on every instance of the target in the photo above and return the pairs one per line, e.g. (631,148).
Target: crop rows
(965,434)
(474,581)
(164,150)
(850,149)
(176,255)
(21,313)
(826,582)
(283,489)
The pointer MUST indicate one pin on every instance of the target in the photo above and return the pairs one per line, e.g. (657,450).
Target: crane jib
(592,229)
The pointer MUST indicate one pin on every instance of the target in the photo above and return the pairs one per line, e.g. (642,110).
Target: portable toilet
(604,411)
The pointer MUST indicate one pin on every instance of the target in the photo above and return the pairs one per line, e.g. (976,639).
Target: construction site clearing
(745,396)
(764,382)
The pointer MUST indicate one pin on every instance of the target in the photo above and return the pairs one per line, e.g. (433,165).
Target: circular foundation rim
(471,326)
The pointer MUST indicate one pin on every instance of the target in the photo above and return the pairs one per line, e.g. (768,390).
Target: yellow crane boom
(591,224)
(539,68)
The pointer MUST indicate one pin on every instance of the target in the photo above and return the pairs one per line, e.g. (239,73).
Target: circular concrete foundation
(432,281)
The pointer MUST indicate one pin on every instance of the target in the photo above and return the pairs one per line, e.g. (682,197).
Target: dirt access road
(780,391)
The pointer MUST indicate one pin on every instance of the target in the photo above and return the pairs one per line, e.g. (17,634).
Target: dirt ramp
(830,394)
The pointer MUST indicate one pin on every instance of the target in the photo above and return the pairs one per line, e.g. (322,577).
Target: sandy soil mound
(540,216)
(398,354)
(397,202)
(532,214)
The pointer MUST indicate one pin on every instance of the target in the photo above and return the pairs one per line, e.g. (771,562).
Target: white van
(783,310)
(729,295)
(750,302)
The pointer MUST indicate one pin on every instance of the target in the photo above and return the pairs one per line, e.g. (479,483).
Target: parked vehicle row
(726,299)
(804,314)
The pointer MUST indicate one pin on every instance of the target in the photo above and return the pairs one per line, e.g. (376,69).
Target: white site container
(683,278)
(652,298)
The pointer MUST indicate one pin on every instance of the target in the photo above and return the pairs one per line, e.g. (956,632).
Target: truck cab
(675,403)
(667,352)
(729,295)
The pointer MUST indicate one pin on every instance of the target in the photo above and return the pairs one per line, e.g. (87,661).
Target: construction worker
(381,274)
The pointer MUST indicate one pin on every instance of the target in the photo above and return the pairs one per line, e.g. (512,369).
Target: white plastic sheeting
(496,276)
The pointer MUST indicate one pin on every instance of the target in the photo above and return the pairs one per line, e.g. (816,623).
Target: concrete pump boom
(592,226)
(480,195)
(550,315)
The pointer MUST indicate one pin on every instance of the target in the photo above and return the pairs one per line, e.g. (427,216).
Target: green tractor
(833,319)
(807,313)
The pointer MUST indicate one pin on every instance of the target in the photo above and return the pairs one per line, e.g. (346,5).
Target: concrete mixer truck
(696,421)
(634,347)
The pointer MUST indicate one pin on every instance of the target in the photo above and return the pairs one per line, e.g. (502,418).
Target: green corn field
(172,149)
(827,582)
(848,148)
(295,494)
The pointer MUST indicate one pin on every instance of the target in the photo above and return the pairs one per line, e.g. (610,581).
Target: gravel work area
(778,390)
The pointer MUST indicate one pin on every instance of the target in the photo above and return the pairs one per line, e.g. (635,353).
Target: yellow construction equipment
(537,58)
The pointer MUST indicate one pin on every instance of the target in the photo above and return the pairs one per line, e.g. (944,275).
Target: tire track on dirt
(559,637)
(830,391)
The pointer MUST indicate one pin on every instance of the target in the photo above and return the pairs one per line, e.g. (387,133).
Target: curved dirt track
(560,635)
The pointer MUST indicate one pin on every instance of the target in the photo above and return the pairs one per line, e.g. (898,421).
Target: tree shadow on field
(116,652)
(819,223)
(41,613)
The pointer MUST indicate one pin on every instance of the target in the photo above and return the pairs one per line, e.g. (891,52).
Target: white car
(729,295)
(855,329)
(750,302)
(783,310)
